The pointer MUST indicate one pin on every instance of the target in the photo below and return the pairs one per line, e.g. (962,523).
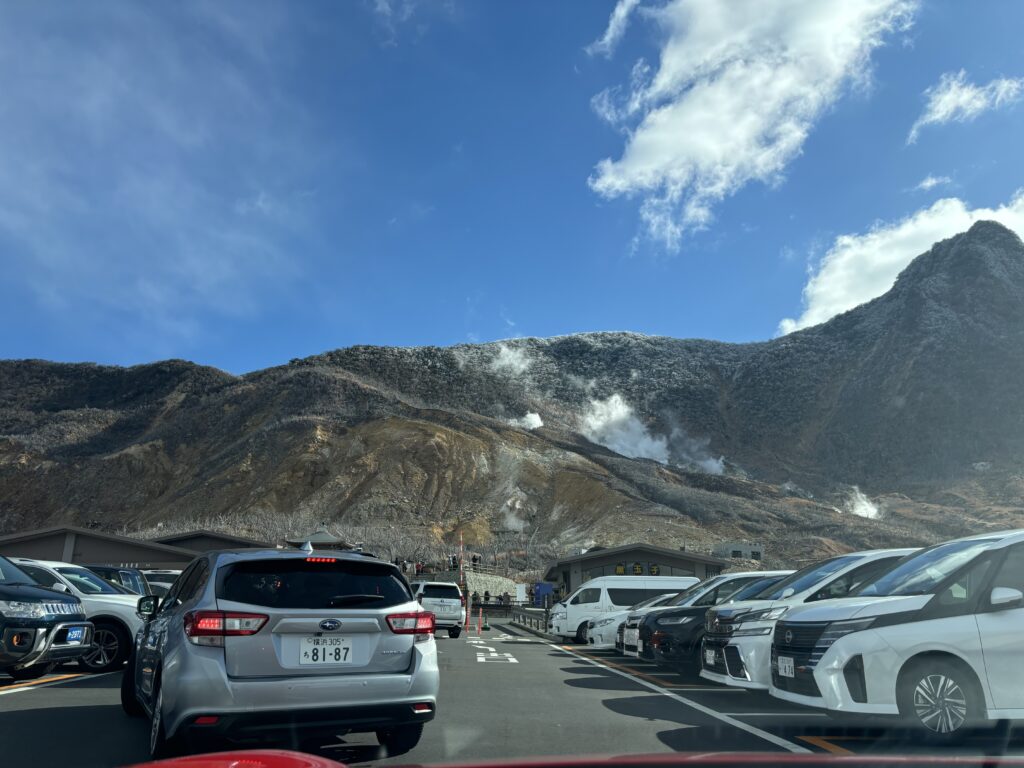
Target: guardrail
(534,618)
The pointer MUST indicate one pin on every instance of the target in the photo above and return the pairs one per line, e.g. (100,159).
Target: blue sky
(244,184)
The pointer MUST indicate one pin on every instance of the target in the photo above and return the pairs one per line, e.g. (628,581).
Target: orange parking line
(28,683)
(631,671)
(823,743)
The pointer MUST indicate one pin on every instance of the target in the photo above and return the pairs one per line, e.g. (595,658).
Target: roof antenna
(307,547)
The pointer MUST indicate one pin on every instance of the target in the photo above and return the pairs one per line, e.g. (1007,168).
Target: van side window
(1011,572)
(592,595)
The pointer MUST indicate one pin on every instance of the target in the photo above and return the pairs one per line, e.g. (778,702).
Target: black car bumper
(291,727)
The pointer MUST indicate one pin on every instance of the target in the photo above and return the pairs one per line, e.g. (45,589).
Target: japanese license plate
(709,657)
(76,634)
(325,650)
(785,666)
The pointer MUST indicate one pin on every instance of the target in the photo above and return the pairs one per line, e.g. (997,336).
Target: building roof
(596,552)
(228,537)
(63,529)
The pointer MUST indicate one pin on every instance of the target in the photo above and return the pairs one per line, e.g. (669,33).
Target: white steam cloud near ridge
(613,424)
(859,504)
(513,360)
(858,268)
(529,421)
(737,90)
(953,99)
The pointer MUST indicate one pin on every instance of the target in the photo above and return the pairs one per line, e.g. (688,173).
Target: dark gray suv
(257,646)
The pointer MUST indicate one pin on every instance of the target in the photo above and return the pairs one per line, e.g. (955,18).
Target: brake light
(321,559)
(211,627)
(420,624)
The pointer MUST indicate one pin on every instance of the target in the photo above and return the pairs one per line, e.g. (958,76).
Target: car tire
(160,746)
(398,741)
(454,632)
(940,699)
(129,702)
(111,647)
(31,673)
(581,634)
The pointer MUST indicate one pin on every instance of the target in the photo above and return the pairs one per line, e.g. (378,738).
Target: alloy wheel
(104,650)
(940,703)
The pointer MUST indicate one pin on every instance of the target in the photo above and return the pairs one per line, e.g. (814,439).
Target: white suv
(738,636)
(445,600)
(935,641)
(111,609)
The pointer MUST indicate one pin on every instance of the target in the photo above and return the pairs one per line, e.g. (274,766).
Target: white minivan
(936,641)
(606,594)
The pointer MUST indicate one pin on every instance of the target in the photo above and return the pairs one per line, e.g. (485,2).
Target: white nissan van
(606,594)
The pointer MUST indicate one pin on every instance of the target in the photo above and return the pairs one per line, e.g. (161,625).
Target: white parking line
(752,730)
(777,714)
(44,684)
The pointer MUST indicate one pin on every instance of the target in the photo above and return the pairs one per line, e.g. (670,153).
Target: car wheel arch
(973,678)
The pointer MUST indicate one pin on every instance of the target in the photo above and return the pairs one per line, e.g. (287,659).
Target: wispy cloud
(931,182)
(954,99)
(617,24)
(733,98)
(861,267)
(141,160)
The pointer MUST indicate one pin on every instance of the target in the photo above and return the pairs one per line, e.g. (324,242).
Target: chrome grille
(63,609)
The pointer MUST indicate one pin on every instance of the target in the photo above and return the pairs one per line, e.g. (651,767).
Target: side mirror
(146,607)
(787,592)
(59,586)
(1006,597)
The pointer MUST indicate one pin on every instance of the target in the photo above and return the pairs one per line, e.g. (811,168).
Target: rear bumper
(288,727)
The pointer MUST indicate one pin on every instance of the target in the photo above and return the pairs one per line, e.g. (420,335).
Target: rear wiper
(340,600)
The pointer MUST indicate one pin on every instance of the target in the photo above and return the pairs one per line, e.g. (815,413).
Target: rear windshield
(296,583)
(441,590)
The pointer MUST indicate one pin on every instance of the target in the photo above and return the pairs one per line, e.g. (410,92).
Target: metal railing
(534,618)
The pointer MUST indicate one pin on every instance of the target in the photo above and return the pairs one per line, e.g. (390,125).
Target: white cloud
(612,423)
(930,182)
(858,268)
(954,99)
(617,24)
(738,88)
(529,421)
(512,360)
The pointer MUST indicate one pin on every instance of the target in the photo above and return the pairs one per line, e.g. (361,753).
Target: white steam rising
(692,450)
(529,421)
(859,504)
(611,423)
(511,360)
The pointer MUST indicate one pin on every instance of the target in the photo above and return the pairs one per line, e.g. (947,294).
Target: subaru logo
(789,636)
(329,625)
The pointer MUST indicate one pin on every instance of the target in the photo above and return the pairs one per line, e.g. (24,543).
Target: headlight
(751,631)
(768,614)
(605,622)
(673,621)
(557,616)
(838,629)
(18,609)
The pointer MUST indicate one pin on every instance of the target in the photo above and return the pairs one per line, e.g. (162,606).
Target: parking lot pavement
(507,694)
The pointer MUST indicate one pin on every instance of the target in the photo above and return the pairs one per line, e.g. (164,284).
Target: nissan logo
(329,625)
(789,636)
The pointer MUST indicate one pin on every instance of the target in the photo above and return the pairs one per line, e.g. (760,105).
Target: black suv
(39,627)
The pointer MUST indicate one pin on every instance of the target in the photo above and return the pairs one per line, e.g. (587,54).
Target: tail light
(420,624)
(211,627)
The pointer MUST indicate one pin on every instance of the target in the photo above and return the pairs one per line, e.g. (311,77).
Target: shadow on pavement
(80,736)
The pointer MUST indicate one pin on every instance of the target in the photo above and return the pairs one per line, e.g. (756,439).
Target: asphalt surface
(508,694)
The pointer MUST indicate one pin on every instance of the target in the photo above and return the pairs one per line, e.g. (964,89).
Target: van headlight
(558,616)
(675,621)
(767,614)
(838,629)
(19,609)
(605,622)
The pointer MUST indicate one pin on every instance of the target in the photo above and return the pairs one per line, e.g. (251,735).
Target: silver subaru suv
(281,646)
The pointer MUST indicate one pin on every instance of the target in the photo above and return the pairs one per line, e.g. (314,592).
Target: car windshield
(684,597)
(88,583)
(653,601)
(754,589)
(806,578)
(923,572)
(11,574)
